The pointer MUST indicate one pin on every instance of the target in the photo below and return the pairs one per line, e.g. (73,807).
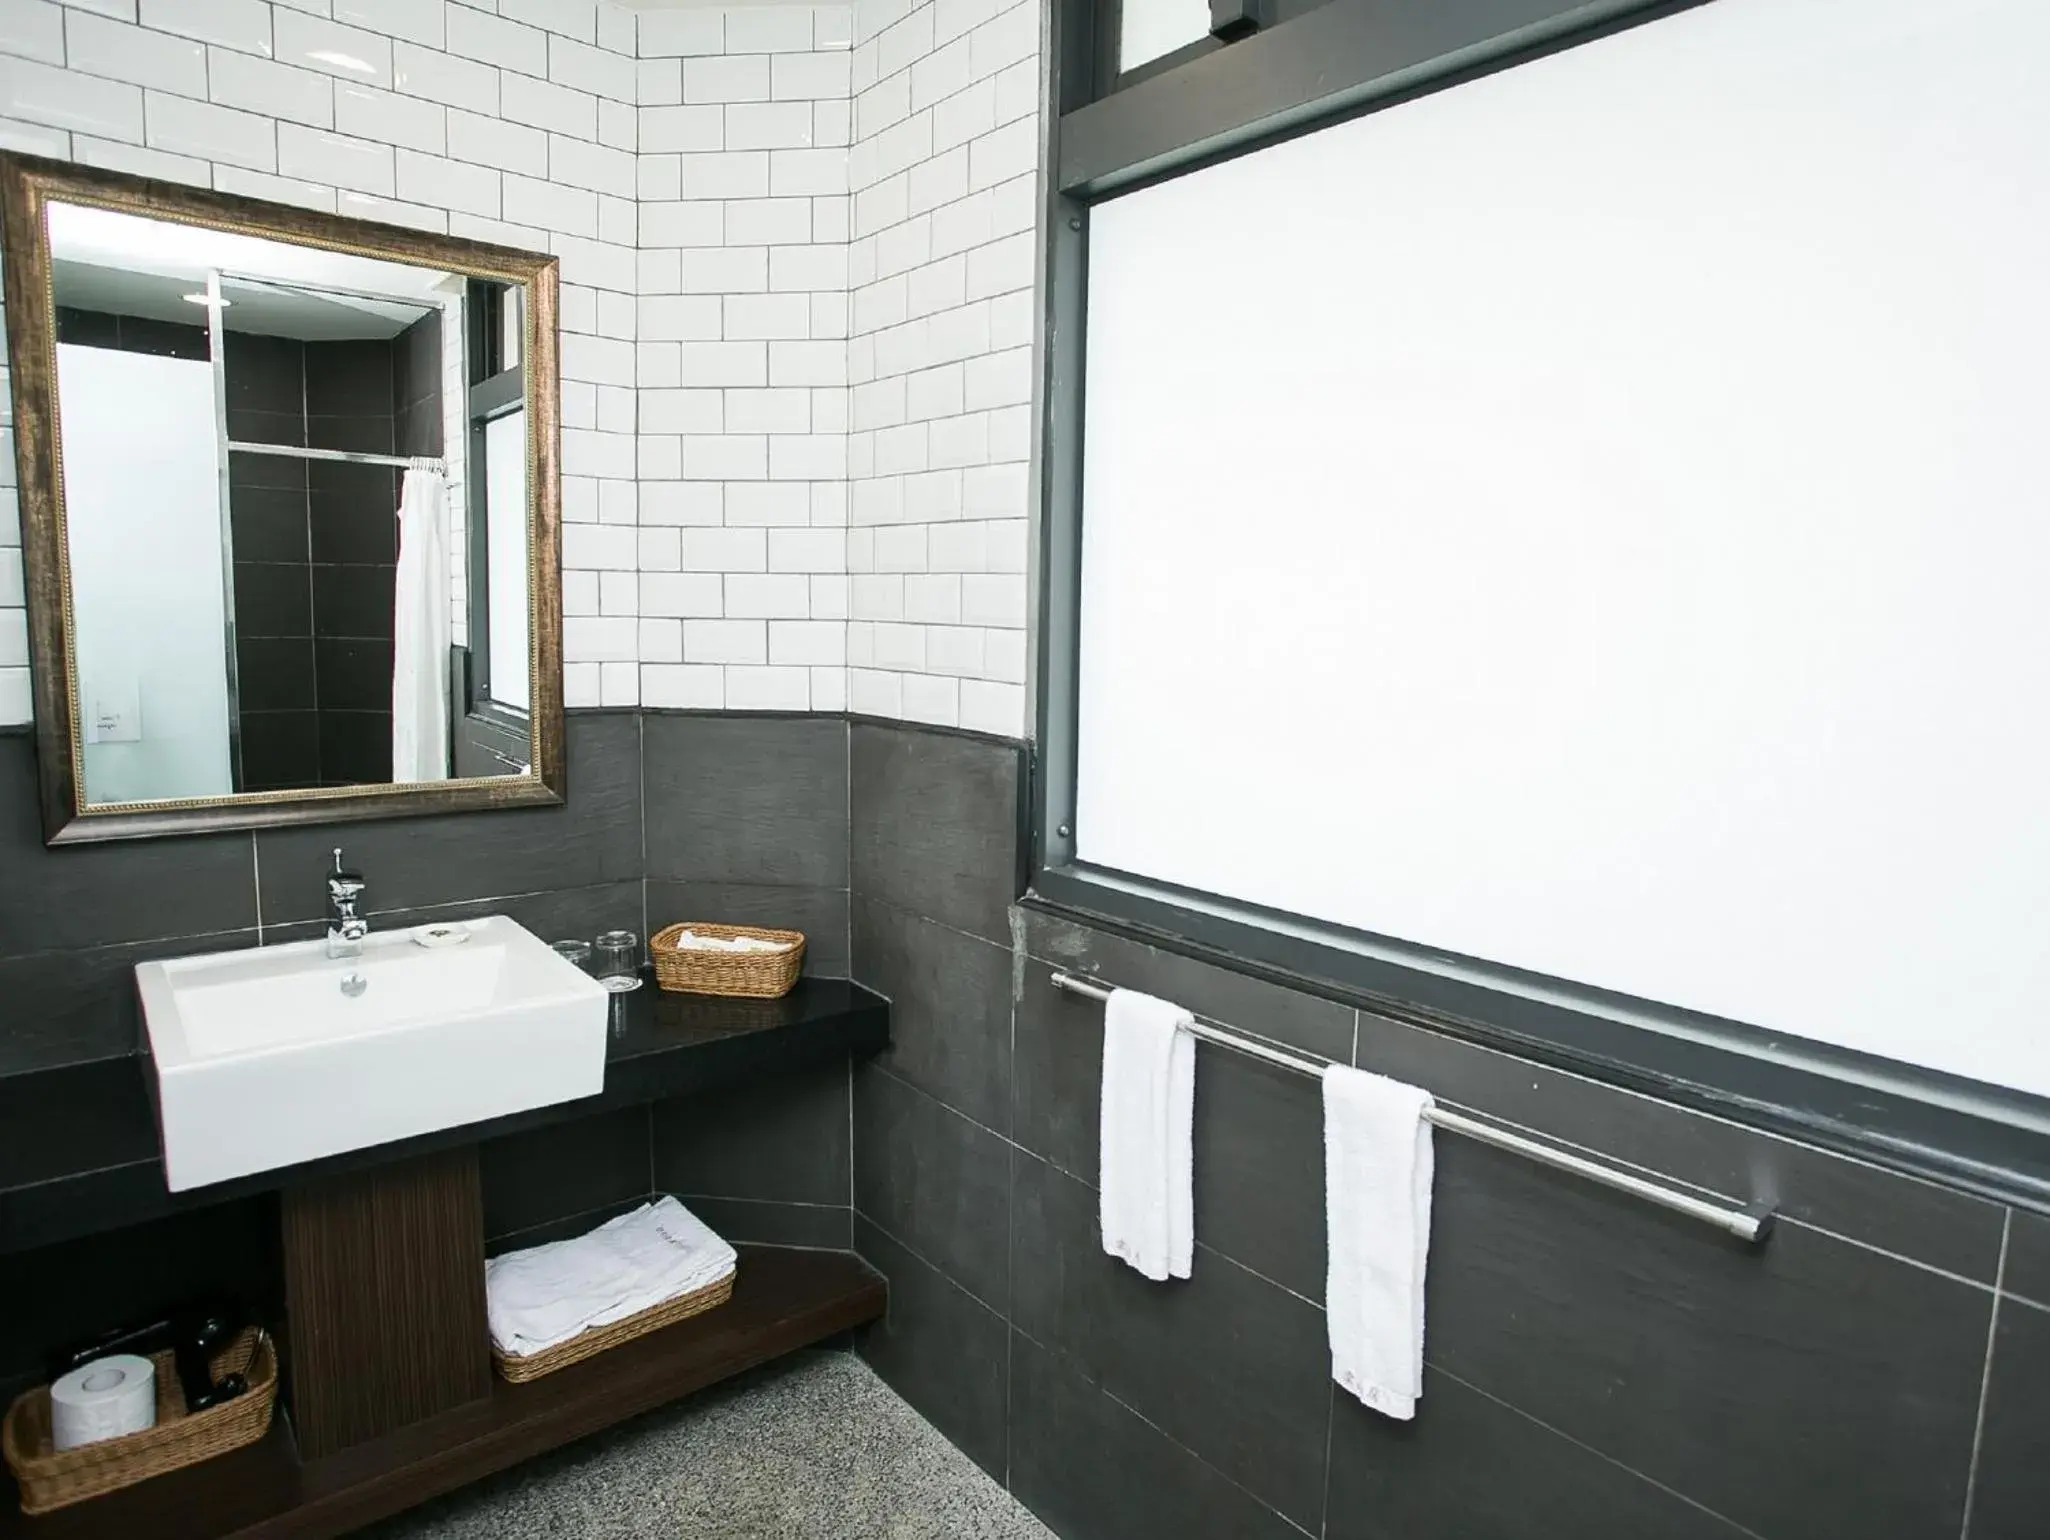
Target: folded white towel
(548,1294)
(692,939)
(1377,1212)
(1145,1176)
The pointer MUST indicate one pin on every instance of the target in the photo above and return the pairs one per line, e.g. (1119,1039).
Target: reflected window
(493,734)
(505,570)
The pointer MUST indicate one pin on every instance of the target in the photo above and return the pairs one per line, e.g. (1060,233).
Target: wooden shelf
(783,1300)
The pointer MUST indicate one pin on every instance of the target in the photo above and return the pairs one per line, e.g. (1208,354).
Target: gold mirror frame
(27,185)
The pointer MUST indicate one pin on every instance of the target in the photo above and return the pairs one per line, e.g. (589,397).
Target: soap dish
(50,1478)
(693,970)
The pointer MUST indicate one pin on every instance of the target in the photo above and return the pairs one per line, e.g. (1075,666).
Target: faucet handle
(342,883)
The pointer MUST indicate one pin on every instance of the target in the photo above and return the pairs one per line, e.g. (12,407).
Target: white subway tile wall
(740,360)
(797,261)
(940,271)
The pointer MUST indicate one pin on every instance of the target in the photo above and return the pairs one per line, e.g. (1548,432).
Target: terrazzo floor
(816,1447)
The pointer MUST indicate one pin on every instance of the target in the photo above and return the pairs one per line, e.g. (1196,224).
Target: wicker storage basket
(703,971)
(518,1370)
(53,1479)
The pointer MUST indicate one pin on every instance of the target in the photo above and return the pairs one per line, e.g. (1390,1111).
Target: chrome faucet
(346,927)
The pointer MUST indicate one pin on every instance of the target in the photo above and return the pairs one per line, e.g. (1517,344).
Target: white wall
(732,592)
(144,512)
(692,169)
(945,201)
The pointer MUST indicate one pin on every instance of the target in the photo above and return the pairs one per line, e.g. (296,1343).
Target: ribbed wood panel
(384,1295)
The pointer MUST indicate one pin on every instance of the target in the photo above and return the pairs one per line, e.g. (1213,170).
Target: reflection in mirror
(296,512)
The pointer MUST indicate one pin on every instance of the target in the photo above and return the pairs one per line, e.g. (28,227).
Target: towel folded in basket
(546,1295)
(692,939)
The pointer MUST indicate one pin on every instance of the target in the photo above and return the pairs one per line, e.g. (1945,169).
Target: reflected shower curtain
(420,632)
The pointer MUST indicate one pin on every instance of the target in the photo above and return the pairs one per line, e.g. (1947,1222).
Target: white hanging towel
(420,632)
(1146,1173)
(1377,1212)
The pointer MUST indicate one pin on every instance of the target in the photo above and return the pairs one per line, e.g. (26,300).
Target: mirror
(290,498)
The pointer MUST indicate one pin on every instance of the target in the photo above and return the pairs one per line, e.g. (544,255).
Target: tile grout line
(1053,1165)
(1901,1257)
(1011,1197)
(927,1262)
(1118,1401)
(726,1197)
(641,779)
(1986,1377)
(1330,1435)
(1607,1459)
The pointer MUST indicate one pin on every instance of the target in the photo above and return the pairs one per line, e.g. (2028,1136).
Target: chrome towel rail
(341,456)
(1750,1223)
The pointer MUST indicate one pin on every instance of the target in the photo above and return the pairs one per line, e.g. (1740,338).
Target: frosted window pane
(1150,28)
(505,493)
(1614,546)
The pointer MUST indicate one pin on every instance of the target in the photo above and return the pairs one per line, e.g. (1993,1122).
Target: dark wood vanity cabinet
(389,1395)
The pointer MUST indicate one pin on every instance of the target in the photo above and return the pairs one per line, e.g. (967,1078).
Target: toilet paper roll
(103,1399)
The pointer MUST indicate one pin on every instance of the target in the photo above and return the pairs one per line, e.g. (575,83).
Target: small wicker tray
(52,1479)
(518,1370)
(702,971)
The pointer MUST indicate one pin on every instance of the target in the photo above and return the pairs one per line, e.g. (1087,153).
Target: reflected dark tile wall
(417,369)
(352,515)
(316,548)
(267,515)
(130,334)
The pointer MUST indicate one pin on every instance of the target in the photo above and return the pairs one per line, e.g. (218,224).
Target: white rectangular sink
(277,1055)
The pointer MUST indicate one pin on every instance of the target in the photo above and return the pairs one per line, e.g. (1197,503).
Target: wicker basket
(518,1370)
(50,1478)
(703,971)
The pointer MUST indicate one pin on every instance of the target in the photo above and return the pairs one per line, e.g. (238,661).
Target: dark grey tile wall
(563,1178)
(754,806)
(767,1163)
(932,826)
(79,1289)
(747,824)
(75,921)
(1597,1367)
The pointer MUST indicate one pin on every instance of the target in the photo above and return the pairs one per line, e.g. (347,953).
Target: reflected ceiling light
(343,61)
(203,298)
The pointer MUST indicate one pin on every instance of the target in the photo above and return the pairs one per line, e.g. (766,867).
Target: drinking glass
(616,960)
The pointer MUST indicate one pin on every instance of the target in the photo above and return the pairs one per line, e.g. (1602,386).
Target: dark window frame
(494,391)
(1311,66)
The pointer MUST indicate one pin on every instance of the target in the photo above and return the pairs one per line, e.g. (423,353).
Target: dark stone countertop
(79,1150)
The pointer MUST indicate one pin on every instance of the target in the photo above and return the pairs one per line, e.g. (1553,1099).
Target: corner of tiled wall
(735,594)
(944,175)
(741,530)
